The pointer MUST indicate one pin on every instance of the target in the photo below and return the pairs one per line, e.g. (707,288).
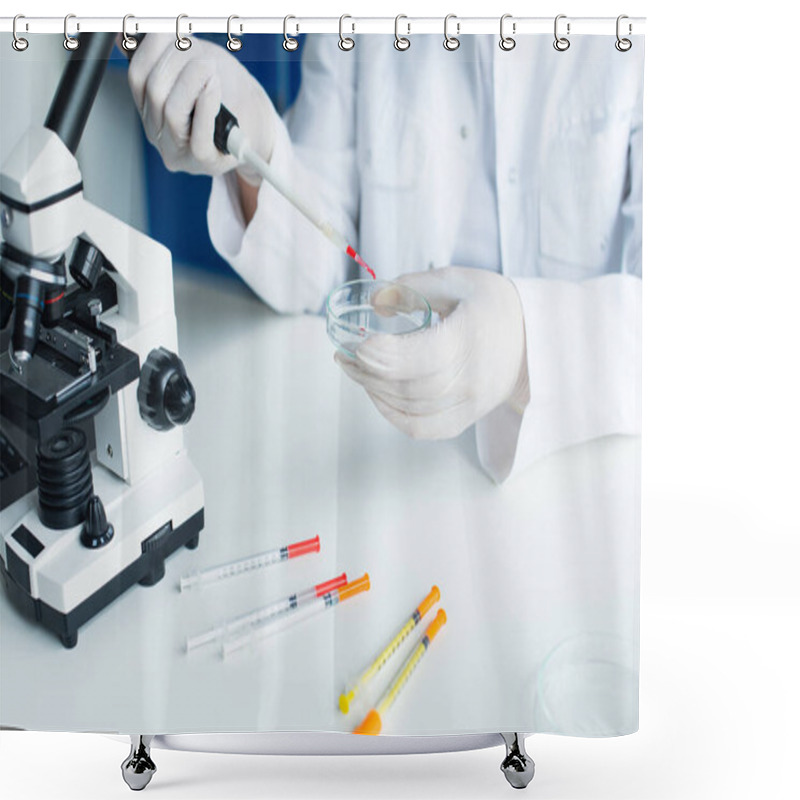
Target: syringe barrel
(377,665)
(317,605)
(273,627)
(232,568)
(411,663)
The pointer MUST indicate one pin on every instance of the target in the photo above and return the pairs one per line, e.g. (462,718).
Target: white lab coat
(381,142)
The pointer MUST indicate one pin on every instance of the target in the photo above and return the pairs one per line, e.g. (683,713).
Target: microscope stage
(46,378)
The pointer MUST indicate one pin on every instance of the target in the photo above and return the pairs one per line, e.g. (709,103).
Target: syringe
(214,574)
(420,611)
(373,722)
(253,618)
(284,622)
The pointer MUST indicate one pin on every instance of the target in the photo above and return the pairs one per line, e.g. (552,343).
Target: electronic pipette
(229,139)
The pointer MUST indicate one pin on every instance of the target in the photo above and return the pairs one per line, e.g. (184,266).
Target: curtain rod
(241,26)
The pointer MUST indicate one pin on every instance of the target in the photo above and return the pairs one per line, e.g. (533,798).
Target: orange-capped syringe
(261,615)
(349,694)
(286,621)
(373,722)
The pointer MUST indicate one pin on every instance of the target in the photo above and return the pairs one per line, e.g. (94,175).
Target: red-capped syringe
(214,574)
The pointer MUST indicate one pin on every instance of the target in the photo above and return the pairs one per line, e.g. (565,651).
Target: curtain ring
(233,44)
(181,42)
(70,42)
(400,42)
(128,42)
(289,44)
(561,43)
(451,42)
(507,42)
(623,45)
(345,42)
(18,43)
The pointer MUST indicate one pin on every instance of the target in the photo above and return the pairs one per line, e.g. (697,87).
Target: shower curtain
(458,436)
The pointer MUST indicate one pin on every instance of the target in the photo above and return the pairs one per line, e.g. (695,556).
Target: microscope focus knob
(97,530)
(165,394)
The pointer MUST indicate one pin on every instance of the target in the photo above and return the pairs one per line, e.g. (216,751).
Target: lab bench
(289,448)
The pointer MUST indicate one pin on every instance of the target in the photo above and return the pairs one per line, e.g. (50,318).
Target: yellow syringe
(373,722)
(347,697)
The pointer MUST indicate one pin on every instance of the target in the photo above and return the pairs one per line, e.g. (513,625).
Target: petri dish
(589,686)
(359,309)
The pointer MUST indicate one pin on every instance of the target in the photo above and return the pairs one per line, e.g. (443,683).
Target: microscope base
(147,570)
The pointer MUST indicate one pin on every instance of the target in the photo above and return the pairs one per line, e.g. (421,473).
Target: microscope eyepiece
(86,264)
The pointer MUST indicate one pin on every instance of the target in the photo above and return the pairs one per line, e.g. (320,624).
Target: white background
(721,536)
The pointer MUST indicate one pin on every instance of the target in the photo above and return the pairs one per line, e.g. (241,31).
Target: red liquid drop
(360,261)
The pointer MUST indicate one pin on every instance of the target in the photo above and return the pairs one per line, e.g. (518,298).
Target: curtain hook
(345,42)
(289,44)
(561,43)
(128,42)
(400,42)
(18,43)
(182,42)
(623,45)
(451,42)
(507,42)
(233,44)
(70,42)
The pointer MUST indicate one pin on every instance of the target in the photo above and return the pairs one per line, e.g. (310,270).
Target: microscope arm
(134,260)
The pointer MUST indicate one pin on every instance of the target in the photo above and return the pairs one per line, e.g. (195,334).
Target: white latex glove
(178,94)
(436,383)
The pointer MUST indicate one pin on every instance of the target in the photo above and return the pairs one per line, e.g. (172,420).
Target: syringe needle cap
(435,626)
(430,600)
(371,726)
(345,698)
(359,585)
(301,548)
(335,583)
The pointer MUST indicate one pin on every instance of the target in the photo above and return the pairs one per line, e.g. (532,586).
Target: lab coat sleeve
(583,343)
(584,371)
(285,259)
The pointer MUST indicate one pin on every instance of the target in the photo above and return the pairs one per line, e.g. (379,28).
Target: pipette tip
(360,261)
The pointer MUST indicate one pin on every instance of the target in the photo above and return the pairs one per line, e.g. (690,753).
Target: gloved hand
(178,94)
(436,383)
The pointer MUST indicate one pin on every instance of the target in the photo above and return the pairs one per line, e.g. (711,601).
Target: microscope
(96,488)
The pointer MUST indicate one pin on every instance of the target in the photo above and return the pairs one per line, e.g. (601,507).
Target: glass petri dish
(359,309)
(589,686)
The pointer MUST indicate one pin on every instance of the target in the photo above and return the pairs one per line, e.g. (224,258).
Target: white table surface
(289,448)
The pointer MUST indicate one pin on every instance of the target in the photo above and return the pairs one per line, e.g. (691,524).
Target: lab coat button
(464,131)
(430,265)
(512,175)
